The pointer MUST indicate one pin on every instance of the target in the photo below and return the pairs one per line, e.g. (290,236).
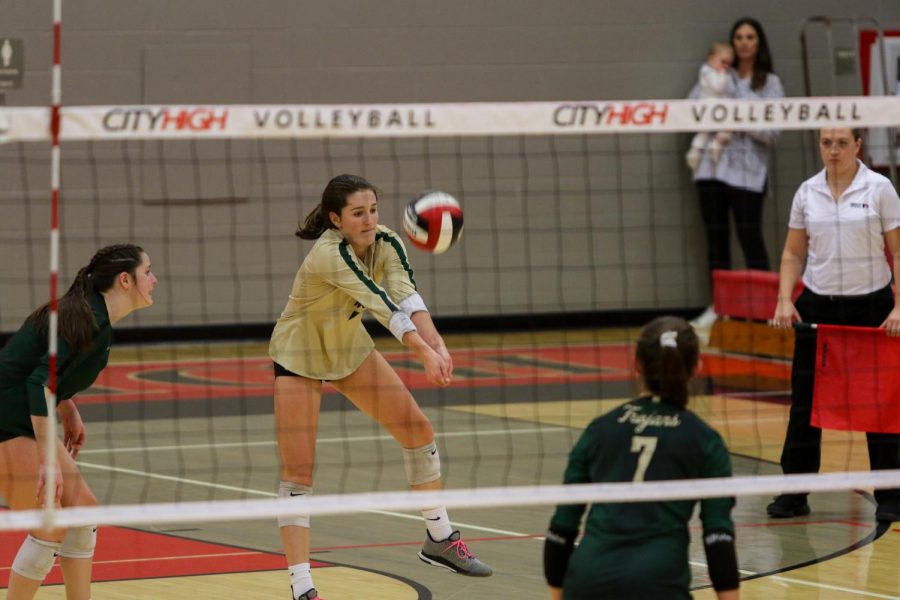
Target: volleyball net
(577,215)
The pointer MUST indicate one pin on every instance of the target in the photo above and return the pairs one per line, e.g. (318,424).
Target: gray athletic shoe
(308,595)
(453,555)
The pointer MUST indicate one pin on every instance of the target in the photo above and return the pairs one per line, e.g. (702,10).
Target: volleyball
(433,222)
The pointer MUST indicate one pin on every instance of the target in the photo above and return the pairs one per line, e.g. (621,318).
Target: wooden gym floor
(194,423)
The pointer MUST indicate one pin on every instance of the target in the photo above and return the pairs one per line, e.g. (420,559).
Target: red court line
(797,522)
(124,554)
(419,542)
(791,523)
(794,523)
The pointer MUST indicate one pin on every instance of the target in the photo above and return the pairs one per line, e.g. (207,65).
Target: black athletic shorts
(282,372)
(5,436)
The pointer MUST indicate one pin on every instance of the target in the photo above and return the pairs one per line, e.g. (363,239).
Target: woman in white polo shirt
(840,220)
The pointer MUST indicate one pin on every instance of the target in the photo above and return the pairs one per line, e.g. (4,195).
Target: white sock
(301,579)
(438,523)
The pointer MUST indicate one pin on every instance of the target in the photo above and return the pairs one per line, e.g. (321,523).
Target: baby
(715,82)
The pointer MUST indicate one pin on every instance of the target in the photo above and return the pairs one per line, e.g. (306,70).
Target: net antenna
(55,104)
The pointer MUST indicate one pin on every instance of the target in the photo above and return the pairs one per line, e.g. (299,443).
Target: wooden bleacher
(745,301)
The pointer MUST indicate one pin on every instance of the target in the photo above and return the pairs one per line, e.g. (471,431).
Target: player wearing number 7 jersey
(640,550)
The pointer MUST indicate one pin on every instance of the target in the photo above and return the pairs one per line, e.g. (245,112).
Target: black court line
(880,529)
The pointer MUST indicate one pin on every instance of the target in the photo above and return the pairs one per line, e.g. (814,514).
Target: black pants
(803,443)
(717,202)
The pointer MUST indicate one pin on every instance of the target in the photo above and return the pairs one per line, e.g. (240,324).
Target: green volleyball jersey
(320,334)
(25,367)
(640,550)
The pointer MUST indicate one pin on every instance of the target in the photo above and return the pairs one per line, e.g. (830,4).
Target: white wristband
(400,324)
(413,304)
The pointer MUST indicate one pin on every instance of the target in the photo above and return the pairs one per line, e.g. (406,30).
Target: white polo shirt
(846,238)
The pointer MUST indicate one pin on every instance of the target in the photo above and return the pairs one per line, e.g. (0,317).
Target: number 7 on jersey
(646,445)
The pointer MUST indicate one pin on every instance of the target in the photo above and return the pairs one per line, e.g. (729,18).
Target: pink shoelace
(462,551)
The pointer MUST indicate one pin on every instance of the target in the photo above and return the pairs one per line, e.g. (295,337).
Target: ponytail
(315,225)
(76,320)
(672,378)
(668,352)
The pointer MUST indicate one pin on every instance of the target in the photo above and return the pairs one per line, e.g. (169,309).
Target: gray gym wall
(357,51)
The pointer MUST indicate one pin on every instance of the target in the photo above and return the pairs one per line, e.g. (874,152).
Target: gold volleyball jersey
(320,334)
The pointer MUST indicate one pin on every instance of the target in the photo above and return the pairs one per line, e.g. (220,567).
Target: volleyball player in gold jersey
(356,265)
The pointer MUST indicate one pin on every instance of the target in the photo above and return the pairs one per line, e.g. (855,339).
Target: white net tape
(81,123)
(225,510)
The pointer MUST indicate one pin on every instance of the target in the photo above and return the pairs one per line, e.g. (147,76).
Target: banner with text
(515,118)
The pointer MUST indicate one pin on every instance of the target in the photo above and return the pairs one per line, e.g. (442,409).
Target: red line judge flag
(857,383)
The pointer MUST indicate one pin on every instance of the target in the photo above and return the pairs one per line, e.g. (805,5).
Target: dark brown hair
(856,132)
(334,198)
(76,320)
(667,367)
(762,62)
